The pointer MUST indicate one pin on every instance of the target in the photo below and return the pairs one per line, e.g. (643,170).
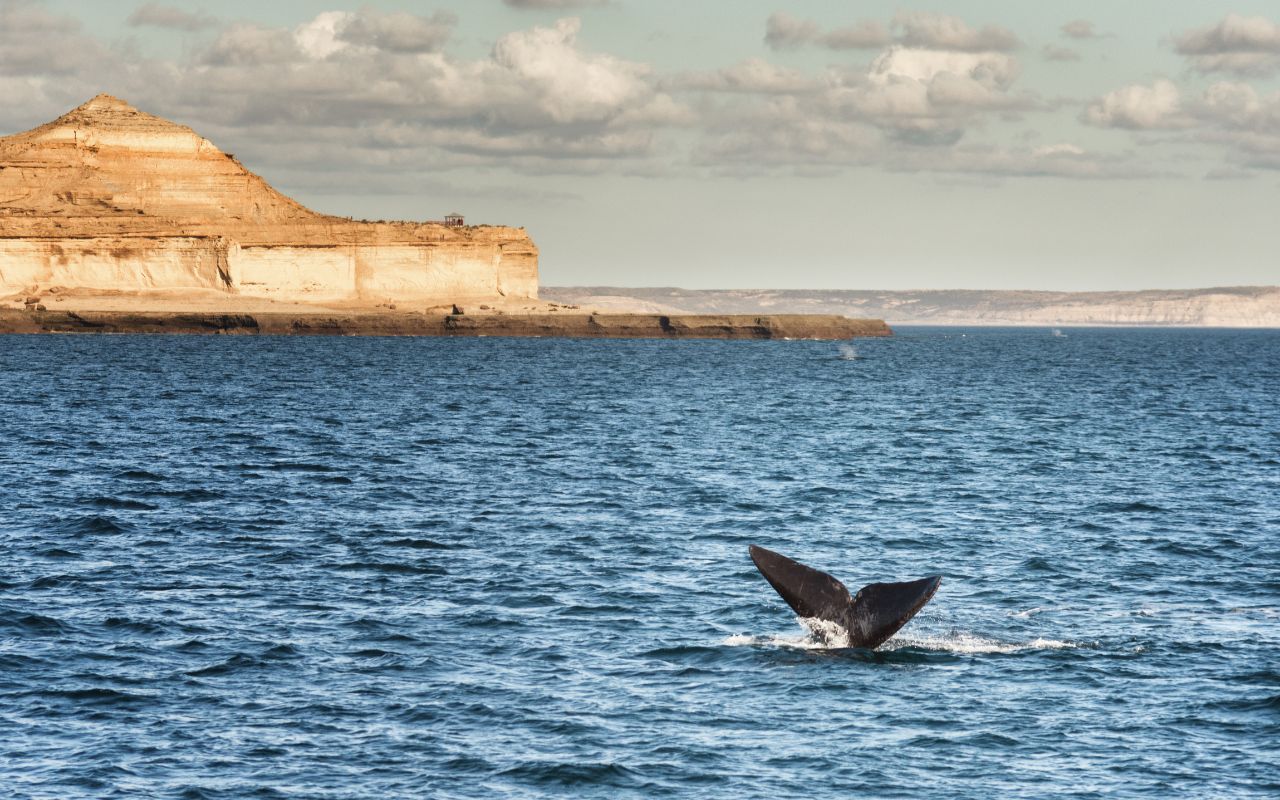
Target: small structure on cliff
(454,220)
(108,198)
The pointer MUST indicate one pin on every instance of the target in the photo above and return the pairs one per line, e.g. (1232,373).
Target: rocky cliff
(1233,307)
(110,199)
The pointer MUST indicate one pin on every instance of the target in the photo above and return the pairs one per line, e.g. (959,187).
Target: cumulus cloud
(370,97)
(248,45)
(753,76)
(1079,29)
(783,31)
(1246,121)
(554,4)
(909,108)
(398,32)
(919,30)
(941,32)
(1237,44)
(330,33)
(379,90)
(48,62)
(1231,115)
(786,139)
(934,79)
(544,64)
(156,15)
(1139,107)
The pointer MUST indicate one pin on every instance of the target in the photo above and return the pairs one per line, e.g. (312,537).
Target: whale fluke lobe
(869,618)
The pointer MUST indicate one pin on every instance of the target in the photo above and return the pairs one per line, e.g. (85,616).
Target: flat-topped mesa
(110,198)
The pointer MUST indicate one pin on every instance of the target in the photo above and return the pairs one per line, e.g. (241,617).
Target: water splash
(1058,333)
(848,352)
(826,633)
(776,640)
(1028,613)
(960,642)
(973,644)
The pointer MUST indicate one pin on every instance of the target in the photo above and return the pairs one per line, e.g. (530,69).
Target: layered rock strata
(108,198)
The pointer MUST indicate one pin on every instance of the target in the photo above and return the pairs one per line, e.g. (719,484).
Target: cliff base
(566,325)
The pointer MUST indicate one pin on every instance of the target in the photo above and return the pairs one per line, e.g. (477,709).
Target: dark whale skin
(869,618)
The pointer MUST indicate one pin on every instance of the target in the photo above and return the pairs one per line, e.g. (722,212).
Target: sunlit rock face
(108,198)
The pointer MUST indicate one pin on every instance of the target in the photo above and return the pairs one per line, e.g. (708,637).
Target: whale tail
(870,617)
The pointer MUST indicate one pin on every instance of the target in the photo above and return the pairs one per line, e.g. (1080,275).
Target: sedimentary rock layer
(610,326)
(112,199)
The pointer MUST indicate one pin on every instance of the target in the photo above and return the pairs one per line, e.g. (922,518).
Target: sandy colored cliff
(111,206)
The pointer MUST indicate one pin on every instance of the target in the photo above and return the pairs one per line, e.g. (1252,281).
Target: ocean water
(385,568)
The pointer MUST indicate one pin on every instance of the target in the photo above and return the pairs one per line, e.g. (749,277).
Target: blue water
(376,568)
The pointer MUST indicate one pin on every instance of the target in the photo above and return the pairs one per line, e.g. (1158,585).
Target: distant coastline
(1229,307)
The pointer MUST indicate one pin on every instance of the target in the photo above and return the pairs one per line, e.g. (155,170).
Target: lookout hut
(454,220)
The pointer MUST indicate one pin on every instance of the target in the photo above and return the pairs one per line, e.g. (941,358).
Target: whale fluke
(869,618)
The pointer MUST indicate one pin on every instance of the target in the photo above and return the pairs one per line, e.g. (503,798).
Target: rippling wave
(333,568)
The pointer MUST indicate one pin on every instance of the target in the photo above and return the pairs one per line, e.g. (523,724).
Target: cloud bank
(384,94)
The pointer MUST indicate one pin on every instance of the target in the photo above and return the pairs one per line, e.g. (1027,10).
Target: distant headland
(112,219)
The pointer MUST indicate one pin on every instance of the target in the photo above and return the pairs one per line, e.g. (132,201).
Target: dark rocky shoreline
(606,326)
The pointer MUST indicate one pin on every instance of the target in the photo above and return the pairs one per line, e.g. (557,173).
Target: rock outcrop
(108,198)
(561,325)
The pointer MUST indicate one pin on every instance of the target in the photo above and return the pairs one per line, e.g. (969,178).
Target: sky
(811,144)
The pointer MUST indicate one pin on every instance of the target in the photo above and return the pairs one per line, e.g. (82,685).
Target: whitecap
(1030,612)
(972,644)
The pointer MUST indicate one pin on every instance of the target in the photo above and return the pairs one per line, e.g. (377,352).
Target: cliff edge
(109,199)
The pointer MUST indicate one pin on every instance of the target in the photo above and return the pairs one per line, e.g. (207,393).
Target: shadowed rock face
(586,326)
(110,198)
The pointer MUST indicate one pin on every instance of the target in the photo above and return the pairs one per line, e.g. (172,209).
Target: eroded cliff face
(108,198)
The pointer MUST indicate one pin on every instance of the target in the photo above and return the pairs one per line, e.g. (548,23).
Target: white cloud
(374,90)
(372,96)
(1056,150)
(990,70)
(1237,44)
(157,15)
(554,4)
(319,38)
(783,31)
(568,85)
(755,76)
(1079,29)
(48,64)
(248,45)
(1229,115)
(1138,107)
(941,32)
(917,30)
(397,32)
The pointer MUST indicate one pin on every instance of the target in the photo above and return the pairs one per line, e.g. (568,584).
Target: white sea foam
(777,640)
(968,643)
(954,642)
(1030,612)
